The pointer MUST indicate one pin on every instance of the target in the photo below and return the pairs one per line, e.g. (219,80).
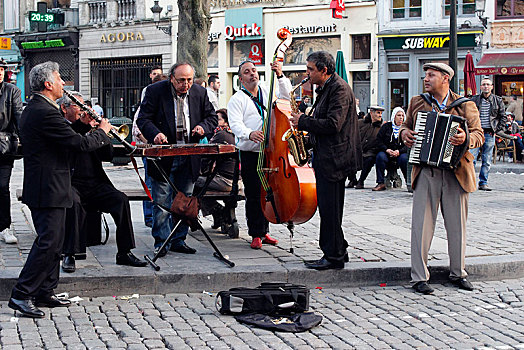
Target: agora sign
(121,37)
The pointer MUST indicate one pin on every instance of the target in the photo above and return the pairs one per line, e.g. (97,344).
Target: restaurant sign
(499,70)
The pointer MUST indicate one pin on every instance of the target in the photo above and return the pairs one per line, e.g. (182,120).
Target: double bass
(288,190)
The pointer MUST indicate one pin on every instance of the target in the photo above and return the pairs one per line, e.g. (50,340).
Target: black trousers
(367,165)
(330,198)
(106,198)
(257,223)
(39,276)
(5,197)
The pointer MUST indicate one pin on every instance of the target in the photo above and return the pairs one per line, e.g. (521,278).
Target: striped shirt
(485,111)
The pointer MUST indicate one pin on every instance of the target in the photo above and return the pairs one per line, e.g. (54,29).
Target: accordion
(432,146)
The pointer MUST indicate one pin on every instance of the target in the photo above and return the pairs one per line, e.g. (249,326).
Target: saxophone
(295,138)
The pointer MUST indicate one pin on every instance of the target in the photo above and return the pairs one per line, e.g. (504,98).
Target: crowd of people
(64,178)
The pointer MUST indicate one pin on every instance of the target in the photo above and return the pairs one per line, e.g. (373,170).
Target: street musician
(174,111)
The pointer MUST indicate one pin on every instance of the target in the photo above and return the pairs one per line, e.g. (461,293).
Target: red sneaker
(256,243)
(270,240)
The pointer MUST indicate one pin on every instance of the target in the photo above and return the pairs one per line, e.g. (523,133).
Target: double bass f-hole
(287,174)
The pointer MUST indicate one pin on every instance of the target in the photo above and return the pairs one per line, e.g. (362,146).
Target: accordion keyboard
(420,127)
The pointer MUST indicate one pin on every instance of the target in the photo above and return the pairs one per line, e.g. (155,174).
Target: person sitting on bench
(93,191)
(225,167)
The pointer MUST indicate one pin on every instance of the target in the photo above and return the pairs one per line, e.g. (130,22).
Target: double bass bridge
(270,170)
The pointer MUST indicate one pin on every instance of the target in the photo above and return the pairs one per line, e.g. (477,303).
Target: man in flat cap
(493,120)
(369,127)
(434,187)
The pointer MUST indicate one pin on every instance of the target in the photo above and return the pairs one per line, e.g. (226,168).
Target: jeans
(147,206)
(162,193)
(5,198)
(487,157)
(383,162)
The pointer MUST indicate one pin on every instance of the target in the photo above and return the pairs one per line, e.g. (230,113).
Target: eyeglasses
(189,81)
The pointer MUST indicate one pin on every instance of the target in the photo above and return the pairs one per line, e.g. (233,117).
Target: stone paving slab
(376,226)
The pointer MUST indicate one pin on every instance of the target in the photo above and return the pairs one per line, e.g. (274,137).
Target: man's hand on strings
(198,130)
(160,139)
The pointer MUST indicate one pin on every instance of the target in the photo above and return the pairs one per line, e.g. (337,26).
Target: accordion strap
(427,97)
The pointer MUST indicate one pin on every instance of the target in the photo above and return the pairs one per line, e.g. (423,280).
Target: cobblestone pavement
(491,317)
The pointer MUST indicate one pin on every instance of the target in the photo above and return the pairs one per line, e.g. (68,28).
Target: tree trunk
(194,21)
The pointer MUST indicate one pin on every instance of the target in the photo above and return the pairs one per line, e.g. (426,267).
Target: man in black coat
(10,111)
(336,153)
(49,143)
(175,111)
(93,191)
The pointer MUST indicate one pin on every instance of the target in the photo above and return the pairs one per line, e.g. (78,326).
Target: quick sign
(42,44)
(232,33)
(243,24)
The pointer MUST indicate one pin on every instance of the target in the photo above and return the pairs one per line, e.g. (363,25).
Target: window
(464,7)
(247,50)
(11,17)
(361,47)
(510,8)
(212,55)
(300,48)
(406,9)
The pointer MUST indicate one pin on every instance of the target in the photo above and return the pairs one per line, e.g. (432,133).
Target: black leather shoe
(162,253)
(484,188)
(51,301)
(129,259)
(359,185)
(462,283)
(346,257)
(324,264)
(68,263)
(423,287)
(26,307)
(184,248)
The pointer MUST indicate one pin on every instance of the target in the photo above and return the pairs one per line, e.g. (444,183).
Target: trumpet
(295,138)
(120,134)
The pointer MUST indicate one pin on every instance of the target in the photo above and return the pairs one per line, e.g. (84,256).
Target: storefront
(115,63)
(250,33)
(15,70)
(60,47)
(403,56)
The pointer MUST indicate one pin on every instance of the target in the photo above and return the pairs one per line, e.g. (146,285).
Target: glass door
(398,92)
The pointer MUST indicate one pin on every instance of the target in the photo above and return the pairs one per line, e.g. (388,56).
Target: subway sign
(425,42)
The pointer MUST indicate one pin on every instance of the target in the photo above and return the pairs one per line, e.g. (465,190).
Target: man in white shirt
(246,110)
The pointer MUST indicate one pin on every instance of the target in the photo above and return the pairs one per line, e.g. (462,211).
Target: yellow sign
(5,43)
(121,37)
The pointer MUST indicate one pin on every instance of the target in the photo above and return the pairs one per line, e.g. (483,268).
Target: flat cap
(376,108)
(441,67)
(3,63)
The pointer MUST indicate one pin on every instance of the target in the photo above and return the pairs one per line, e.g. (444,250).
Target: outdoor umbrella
(340,66)
(470,86)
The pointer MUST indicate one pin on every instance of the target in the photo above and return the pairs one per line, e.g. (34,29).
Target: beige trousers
(434,188)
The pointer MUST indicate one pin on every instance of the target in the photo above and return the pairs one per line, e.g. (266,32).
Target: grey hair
(66,101)
(41,73)
(176,65)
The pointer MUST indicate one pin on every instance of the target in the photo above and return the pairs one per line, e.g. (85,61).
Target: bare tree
(194,21)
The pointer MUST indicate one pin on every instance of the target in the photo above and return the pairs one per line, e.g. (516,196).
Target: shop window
(398,67)
(406,9)
(11,17)
(247,50)
(361,47)
(510,8)
(464,7)
(212,55)
(300,48)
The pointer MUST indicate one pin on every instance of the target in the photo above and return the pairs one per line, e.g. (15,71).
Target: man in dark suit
(49,142)
(175,111)
(93,191)
(336,153)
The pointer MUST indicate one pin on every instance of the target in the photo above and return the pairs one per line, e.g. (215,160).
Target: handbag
(184,206)
(9,143)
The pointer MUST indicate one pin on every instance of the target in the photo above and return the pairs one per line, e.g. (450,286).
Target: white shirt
(244,117)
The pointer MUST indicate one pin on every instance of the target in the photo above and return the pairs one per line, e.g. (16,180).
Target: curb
(98,282)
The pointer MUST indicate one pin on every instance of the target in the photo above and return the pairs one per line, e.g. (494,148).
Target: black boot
(218,217)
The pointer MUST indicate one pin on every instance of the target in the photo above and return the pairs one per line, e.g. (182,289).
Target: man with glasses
(174,111)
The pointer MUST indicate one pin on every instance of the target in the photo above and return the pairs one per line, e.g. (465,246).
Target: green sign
(41,17)
(427,42)
(42,44)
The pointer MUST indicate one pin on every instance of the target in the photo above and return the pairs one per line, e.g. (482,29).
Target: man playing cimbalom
(336,152)
(174,111)
(493,120)
(434,187)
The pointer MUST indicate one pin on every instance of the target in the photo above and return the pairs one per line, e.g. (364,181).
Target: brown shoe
(379,187)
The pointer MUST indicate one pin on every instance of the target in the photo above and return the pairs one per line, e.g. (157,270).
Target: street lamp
(480,8)
(157,10)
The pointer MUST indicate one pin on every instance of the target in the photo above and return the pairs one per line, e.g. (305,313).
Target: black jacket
(386,139)
(497,117)
(49,143)
(10,112)
(368,135)
(157,115)
(336,140)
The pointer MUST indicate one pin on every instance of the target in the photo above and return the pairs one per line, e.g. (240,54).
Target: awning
(501,63)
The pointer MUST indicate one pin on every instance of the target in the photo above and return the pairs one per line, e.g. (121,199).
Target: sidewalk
(376,226)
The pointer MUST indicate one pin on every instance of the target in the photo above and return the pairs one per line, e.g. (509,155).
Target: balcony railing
(126,10)
(111,11)
(97,12)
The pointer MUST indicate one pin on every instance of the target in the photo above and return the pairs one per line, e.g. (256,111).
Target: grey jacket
(497,117)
